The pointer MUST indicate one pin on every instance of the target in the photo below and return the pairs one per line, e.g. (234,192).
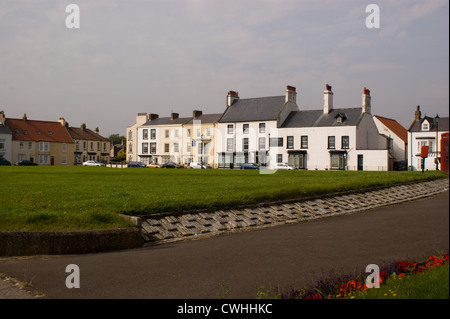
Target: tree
(115,139)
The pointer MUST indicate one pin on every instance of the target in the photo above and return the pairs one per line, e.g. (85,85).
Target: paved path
(293,255)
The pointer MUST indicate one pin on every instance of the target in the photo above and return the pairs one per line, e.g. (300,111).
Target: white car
(93,163)
(198,165)
(284,166)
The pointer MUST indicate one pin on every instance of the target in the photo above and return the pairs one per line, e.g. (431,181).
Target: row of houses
(50,142)
(270,130)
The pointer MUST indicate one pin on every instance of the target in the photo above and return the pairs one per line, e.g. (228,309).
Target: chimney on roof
(327,99)
(2,118)
(153,116)
(232,97)
(96,131)
(417,113)
(25,117)
(63,122)
(174,116)
(83,126)
(366,105)
(196,114)
(291,94)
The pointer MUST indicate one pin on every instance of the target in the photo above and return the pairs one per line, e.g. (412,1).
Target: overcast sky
(159,56)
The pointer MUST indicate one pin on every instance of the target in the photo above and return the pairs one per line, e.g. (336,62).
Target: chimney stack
(197,113)
(327,99)
(25,117)
(63,122)
(174,116)
(2,118)
(83,126)
(417,113)
(96,131)
(366,105)
(291,94)
(232,97)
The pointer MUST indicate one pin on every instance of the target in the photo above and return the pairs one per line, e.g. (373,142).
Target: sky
(159,56)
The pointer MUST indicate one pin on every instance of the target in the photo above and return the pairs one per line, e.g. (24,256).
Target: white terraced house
(272,130)
(426,131)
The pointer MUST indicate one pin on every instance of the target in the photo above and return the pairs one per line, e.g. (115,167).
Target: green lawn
(62,198)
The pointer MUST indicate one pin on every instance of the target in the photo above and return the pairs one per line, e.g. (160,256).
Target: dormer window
(425,126)
(340,118)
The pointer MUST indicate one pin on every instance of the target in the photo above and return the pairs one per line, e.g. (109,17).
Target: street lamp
(436,119)
(201,158)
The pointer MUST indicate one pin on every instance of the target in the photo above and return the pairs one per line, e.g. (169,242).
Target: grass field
(63,198)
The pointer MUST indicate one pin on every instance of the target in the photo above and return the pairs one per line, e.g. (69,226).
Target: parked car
(249,166)
(153,165)
(285,166)
(400,166)
(26,163)
(136,164)
(93,163)
(171,165)
(4,161)
(198,165)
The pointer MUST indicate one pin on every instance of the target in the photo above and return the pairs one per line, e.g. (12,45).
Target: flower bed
(343,286)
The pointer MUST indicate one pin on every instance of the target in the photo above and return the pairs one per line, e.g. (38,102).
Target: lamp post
(436,119)
(201,155)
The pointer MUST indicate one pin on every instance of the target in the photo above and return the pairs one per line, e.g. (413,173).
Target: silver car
(93,163)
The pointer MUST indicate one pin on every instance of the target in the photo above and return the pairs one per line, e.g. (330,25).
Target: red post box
(424,151)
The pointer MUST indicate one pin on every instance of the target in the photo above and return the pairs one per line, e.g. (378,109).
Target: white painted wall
(6,151)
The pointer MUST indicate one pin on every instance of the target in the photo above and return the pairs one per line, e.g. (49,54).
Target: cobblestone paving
(192,226)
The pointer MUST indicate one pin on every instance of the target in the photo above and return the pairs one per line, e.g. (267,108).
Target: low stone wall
(25,243)
(157,229)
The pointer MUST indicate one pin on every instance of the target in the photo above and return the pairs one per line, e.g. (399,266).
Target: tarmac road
(282,257)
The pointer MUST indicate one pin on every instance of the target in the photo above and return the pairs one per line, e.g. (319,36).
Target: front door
(360,162)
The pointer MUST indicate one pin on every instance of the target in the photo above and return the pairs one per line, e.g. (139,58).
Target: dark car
(400,166)
(3,161)
(26,163)
(249,166)
(136,164)
(171,165)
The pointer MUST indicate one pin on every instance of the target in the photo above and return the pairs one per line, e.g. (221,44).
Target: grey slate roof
(168,121)
(206,118)
(417,125)
(316,118)
(4,129)
(254,109)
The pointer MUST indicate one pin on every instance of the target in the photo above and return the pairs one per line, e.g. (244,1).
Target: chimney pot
(232,97)
(327,99)
(197,113)
(417,114)
(291,94)
(366,101)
